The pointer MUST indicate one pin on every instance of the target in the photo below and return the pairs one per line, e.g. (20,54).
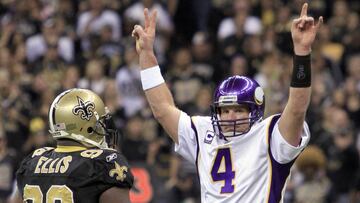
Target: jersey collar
(60,148)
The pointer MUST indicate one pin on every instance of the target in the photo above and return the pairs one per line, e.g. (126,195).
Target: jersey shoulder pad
(265,122)
(114,168)
(201,121)
(30,158)
(41,151)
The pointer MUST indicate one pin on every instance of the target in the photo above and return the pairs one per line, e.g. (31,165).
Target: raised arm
(303,33)
(156,91)
(115,195)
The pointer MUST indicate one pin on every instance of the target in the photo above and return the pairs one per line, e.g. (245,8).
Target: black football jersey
(71,174)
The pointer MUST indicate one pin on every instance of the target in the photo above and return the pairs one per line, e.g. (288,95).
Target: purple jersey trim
(197,147)
(279,172)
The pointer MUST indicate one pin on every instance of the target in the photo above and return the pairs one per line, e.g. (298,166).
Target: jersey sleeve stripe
(279,172)
(197,145)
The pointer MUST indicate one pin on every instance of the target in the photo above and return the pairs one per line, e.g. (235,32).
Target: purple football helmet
(237,90)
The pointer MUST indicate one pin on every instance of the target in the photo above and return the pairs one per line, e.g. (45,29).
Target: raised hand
(303,31)
(145,36)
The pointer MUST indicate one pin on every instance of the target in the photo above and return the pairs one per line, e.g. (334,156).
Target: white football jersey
(245,168)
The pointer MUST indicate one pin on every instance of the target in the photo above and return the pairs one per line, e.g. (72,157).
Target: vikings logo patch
(85,109)
(259,96)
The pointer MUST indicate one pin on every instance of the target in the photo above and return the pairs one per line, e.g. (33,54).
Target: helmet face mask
(112,135)
(237,91)
(80,115)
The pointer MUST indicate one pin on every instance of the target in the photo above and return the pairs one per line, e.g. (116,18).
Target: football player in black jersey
(82,168)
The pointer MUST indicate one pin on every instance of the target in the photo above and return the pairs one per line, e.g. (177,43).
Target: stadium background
(47,46)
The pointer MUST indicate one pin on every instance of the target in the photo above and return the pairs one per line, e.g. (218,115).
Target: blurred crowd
(48,46)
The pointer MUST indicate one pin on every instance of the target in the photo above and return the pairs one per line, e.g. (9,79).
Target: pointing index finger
(146,14)
(304,10)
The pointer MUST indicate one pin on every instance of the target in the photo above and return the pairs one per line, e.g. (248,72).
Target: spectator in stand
(15,114)
(184,81)
(344,176)
(165,25)
(5,57)
(251,24)
(7,168)
(315,185)
(135,146)
(202,51)
(128,83)
(51,65)
(94,78)
(70,79)
(338,22)
(38,45)
(112,100)
(66,9)
(239,65)
(201,104)
(91,22)
(110,50)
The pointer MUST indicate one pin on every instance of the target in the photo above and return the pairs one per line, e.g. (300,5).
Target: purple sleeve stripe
(279,172)
(197,146)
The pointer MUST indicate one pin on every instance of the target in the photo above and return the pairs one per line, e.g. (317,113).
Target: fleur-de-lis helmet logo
(84,109)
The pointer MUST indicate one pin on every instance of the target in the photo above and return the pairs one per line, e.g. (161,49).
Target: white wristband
(151,77)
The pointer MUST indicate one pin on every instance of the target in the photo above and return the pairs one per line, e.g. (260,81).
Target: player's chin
(242,130)
(227,129)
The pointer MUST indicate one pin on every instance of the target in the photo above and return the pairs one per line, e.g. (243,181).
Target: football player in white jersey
(240,156)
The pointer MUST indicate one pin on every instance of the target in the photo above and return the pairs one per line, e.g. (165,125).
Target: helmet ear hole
(90,130)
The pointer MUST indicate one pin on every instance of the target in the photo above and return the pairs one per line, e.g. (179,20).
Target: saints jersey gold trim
(60,148)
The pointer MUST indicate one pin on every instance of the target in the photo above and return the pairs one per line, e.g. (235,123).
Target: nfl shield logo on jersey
(209,137)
